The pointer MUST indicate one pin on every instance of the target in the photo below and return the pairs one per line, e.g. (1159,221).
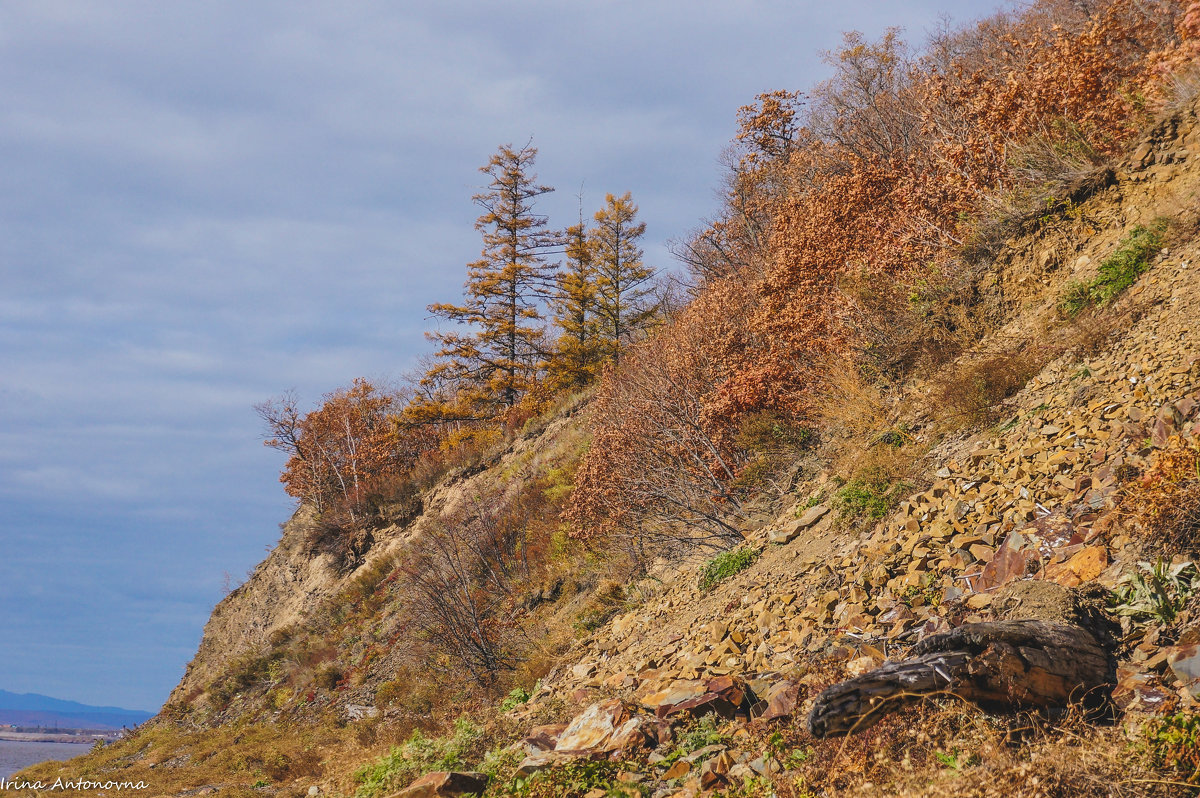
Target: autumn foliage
(893,174)
(850,209)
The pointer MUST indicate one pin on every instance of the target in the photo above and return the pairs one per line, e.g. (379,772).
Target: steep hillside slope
(697,677)
(295,587)
(1052,468)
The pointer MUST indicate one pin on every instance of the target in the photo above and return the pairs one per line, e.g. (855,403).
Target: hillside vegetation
(932,364)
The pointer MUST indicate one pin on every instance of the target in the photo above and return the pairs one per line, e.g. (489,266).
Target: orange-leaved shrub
(883,174)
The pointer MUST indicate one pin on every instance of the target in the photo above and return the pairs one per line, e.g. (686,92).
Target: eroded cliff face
(295,581)
(290,583)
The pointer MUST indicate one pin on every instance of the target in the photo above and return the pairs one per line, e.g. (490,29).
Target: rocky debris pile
(1028,502)
(1170,143)
(626,732)
(1031,501)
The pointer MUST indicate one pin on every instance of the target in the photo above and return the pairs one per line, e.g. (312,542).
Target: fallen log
(1015,663)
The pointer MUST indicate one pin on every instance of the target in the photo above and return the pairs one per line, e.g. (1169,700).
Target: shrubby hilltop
(932,374)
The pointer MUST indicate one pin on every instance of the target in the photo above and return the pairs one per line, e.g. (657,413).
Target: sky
(205,204)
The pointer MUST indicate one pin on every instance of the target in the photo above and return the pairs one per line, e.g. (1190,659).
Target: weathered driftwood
(1019,663)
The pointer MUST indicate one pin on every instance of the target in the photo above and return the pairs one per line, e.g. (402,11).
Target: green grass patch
(418,756)
(870,494)
(725,565)
(1173,743)
(1119,270)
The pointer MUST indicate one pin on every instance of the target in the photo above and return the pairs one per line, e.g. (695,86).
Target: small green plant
(1155,592)
(955,760)
(928,592)
(702,733)
(896,437)
(1173,743)
(869,494)
(500,761)
(725,565)
(789,758)
(516,697)
(1117,272)
(812,502)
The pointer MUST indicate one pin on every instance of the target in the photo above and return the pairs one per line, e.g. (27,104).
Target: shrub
(1167,500)
(574,778)
(725,565)
(390,693)
(972,392)
(327,676)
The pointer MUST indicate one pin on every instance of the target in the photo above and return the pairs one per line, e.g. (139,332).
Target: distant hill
(31,709)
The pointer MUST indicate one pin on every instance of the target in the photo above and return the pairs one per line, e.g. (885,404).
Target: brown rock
(677,692)
(789,531)
(678,770)
(714,771)
(1089,563)
(436,785)
(782,698)
(543,738)
(1184,662)
(1009,562)
(706,704)
(601,728)
(1141,691)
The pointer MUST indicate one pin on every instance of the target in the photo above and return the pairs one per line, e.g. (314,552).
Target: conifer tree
(622,280)
(578,352)
(497,362)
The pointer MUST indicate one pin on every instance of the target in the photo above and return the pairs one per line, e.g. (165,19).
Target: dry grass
(288,758)
(954,750)
(973,391)
(1165,502)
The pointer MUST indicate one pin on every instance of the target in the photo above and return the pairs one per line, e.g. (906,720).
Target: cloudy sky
(204,204)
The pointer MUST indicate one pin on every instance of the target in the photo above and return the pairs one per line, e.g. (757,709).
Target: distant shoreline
(90,736)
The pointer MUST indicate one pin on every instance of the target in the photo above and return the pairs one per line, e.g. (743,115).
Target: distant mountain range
(31,709)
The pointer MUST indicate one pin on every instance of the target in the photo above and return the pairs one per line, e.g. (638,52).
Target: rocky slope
(1026,496)
(689,689)
(1036,498)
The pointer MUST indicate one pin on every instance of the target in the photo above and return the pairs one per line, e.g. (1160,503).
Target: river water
(16,756)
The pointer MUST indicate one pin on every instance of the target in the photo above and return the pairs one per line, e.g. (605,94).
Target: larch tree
(498,361)
(623,289)
(578,351)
